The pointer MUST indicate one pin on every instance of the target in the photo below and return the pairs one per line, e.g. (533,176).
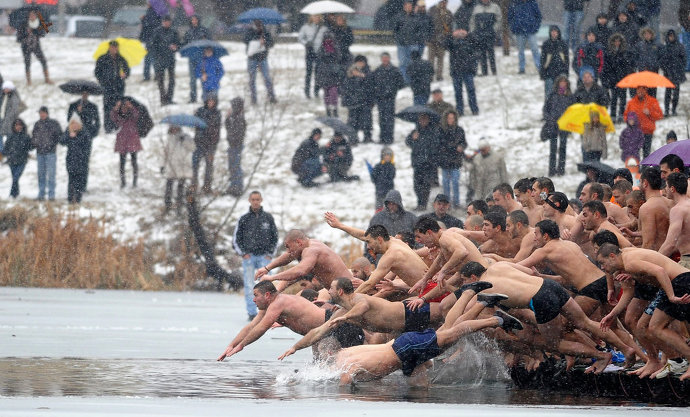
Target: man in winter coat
(557,102)
(45,137)
(442,20)
(437,103)
(647,54)
(555,59)
(572,19)
(206,142)
(487,170)
(684,21)
(525,18)
(11,106)
(394,217)
(210,71)
(111,71)
(420,73)
(463,67)
(672,61)
(647,109)
(337,156)
(255,240)
(306,162)
(408,37)
(627,28)
(463,15)
(386,81)
(590,54)
(166,42)
(311,35)
(357,98)
(424,144)
(29,36)
(589,91)
(88,114)
(485,24)
(619,62)
(149,23)
(601,29)
(196,32)
(259,41)
(440,213)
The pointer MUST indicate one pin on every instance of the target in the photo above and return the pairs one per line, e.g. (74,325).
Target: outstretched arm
(383,268)
(256,331)
(282,260)
(304,267)
(333,221)
(312,337)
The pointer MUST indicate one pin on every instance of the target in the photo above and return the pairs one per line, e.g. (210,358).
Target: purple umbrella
(159,6)
(680,148)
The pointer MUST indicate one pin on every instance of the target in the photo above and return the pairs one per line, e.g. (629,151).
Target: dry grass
(62,251)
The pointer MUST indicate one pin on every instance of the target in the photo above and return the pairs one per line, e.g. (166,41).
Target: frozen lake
(77,352)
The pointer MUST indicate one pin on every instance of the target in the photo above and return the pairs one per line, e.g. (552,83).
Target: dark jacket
(386,82)
(449,139)
(555,56)
(150,22)
(589,55)
(383,177)
(406,29)
(308,149)
(448,220)
(463,55)
(329,69)
(602,33)
(647,55)
(574,5)
(335,162)
(400,221)
(77,160)
(463,15)
(88,114)
(235,123)
(425,147)
(196,34)
(596,94)
(45,136)
(629,30)
(253,34)
(524,17)
(672,59)
(554,107)
(255,234)
(421,73)
(356,91)
(617,62)
(207,139)
(161,39)
(17,148)
(425,26)
(344,38)
(107,72)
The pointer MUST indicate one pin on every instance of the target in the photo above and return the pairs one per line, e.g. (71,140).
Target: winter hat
(386,151)
(8,85)
(586,68)
(43,109)
(671,135)
(483,143)
(361,58)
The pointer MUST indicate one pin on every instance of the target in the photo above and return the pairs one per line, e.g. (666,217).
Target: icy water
(76,352)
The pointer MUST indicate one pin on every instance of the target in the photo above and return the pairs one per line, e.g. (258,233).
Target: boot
(47,76)
(328,111)
(28,78)
(335,111)
(134,181)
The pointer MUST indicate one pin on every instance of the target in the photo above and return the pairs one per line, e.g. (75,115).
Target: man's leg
(252,66)
(148,61)
(267,80)
(41,170)
(171,82)
(167,198)
(536,55)
(248,272)
(457,86)
(309,64)
(386,120)
(471,92)
(647,145)
(567,28)
(51,160)
(404,60)
(668,339)
(160,79)
(522,42)
(562,147)
(577,24)
(192,80)
(685,39)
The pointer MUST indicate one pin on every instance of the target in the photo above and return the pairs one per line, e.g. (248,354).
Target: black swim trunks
(417,320)
(596,290)
(458,293)
(681,286)
(645,291)
(415,348)
(548,301)
(347,334)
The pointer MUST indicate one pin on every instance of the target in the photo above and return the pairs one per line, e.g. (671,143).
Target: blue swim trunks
(415,348)
(417,320)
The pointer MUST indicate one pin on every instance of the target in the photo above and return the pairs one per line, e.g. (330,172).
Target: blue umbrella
(267,16)
(195,50)
(184,120)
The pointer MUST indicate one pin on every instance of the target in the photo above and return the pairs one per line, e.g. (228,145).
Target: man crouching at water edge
(292,311)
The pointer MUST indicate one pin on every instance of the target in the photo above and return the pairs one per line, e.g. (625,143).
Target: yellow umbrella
(131,50)
(575,117)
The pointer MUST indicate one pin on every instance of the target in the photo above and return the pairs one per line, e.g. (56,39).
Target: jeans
(557,153)
(522,41)
(572,22)
(235,170)
(262,65)
(192,79)
(386,120)
(46,169)
(420,99)
(148,63)
(548,87)
(451,177)
(404,58)
(249,267)
(685,40)
(311,168)
(468,80)
(16,173)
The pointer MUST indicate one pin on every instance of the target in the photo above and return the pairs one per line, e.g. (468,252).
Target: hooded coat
(555,56)
(647,55)
(631,139)
(17,147)
(213,68)
(400,221)
(177,156)
(207,139)
(672,59)
(329,70)
(356,91)
(486,172)
(13,108)
(127,139)
(450,138)
(589,54)
(555,106)
(629,30)
(618,63)
(235,123)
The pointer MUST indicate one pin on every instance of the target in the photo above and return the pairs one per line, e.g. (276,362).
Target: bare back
(328,266)
(404,262)
(517,285)
(534,214)
(635,261)
(617,213)
(680,213)
(654,222)
(566,259)
(452,240)
(382,316)
(297,313)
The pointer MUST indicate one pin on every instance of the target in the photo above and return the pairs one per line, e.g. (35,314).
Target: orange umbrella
(645,79)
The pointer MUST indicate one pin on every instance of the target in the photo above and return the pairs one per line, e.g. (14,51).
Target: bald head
(474,222)
(294,235)
(361,268)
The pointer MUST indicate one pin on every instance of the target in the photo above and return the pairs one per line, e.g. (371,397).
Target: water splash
(317,371)
(475,360)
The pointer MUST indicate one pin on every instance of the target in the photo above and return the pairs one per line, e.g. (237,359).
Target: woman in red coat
(126,116)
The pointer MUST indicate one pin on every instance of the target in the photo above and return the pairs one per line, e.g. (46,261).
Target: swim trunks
(685,261)
(415,348)
(655,302)
(548,301)
(596,290)
(645,291)
(347,334)
(417,320)
(681,286)
(430,286)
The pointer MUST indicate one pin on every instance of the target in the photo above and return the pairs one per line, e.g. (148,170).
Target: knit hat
(8,85)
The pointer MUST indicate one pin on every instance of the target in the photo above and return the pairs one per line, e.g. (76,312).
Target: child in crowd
(383,176)
(594,145)
(631,139)
(17,150)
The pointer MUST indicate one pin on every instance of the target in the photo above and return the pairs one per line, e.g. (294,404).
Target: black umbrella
(81,86)
(19,17)
(605,172)
(338,125)
(412,113)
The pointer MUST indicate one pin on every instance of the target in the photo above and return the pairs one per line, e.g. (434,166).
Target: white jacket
(311,34)
(177,156)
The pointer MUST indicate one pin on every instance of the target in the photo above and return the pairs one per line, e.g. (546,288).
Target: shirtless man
(314,258)
(477,207)
(541,188)
(517,227)
(361,268)
(673,300)
(292,311)
(523,194)
(503,196)
(594,191)
(499,240)
(669,164)
(474,223)
(620,191)
(566,259)
(678,237)
(555,208)
(370,313)
(654,213)
(594,217)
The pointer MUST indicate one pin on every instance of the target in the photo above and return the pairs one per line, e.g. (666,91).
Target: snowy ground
(510,113)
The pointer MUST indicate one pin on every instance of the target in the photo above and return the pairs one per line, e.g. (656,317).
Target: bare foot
(686,375)
(651,367)
(569,362)
(630,359)
(600,364)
